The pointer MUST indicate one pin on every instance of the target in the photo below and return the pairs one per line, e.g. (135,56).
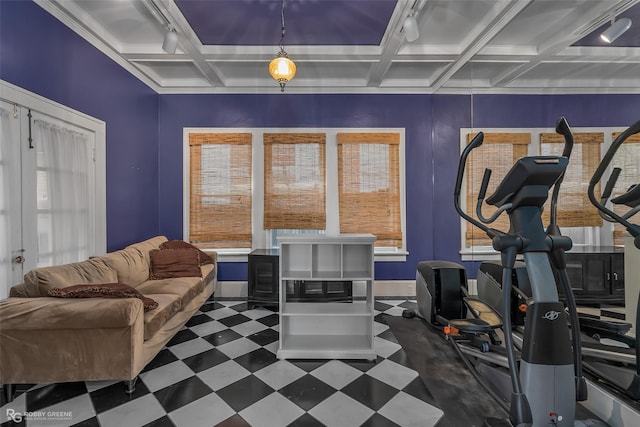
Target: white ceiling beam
(392,40)
(189,41)
(501,17)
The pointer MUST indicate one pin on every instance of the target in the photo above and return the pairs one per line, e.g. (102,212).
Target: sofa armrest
(50,340)
(69,313)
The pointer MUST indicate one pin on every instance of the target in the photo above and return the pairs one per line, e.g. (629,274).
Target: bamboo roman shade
(369,186)
(574,207)
(220,190)
(498,153)
(627,158)
(294,181)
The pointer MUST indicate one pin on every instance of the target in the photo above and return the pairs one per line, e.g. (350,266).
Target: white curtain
(7,139)
(63,197)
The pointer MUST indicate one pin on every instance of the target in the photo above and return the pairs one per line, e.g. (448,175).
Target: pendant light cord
(282,37)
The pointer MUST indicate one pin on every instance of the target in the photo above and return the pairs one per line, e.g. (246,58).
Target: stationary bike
(547,381)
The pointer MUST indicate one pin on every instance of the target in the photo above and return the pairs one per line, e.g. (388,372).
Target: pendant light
(281,68)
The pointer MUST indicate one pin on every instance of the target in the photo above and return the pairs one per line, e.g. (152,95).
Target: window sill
(484,253)
(240,255)
(232,255)
(390,255)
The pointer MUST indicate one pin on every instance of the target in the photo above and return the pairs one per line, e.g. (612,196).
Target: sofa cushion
(132,262)
(168,306)
(106,290)
(186,288)
(171,263)
(39,280)
(148,245)
(205,258)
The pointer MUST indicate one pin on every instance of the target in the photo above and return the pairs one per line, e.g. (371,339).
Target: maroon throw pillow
(170,263)
(103,290)
(181,244)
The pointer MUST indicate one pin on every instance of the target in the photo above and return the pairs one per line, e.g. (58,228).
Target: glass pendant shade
(282,68)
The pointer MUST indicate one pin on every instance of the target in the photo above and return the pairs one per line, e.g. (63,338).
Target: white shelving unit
(326,330)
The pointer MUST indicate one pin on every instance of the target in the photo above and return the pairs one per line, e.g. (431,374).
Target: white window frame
(483,253)
(261,237)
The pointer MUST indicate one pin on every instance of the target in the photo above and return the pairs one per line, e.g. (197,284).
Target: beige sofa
(47,340)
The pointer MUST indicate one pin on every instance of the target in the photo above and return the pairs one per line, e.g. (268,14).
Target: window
(220,190)
(369,187)
(294,181)
(64,178)
(325,180)
(574,207)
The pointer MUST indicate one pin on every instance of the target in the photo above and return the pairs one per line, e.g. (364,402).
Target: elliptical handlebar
(608,189)
(562,128)
(481,196)
(475,143)
(607,213)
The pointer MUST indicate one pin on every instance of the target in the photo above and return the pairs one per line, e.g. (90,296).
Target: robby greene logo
(18,417)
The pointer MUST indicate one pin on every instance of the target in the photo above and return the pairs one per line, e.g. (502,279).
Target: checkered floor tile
(221,370)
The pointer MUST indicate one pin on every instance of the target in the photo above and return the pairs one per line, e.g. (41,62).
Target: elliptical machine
(548,380)
(625,378)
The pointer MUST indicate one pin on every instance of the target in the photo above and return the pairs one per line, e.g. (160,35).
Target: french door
(11,256)
(51,189)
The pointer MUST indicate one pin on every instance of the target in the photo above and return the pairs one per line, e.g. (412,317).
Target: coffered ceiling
(358,46)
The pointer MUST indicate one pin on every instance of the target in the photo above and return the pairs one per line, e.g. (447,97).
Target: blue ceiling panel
(307,22)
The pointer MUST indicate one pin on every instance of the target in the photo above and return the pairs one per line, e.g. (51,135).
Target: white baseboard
(381,288)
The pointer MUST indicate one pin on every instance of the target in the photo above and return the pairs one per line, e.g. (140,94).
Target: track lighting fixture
(281,68)
(410,27)
(170,42)
(616,29)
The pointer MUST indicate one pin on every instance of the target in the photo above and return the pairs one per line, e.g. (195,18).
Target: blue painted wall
(40,54)
(144,131)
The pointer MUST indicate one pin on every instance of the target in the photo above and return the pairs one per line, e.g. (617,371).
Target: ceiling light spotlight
(281,68)
(616,29)
(170,42)
(410,27)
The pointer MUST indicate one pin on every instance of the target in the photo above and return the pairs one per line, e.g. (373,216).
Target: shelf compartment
(326,260)
(354,346)
(296,275)
(319,290)
(356,261)
(334,325)
(327,309)
(296,260)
